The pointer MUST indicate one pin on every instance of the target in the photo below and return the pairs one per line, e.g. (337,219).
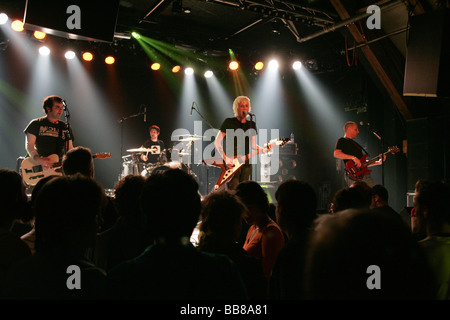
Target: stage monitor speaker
(80,19)
(427,71)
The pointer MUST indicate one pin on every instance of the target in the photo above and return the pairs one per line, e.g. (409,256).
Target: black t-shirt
(50,137)
(349,146)
(157,149)
(241,134)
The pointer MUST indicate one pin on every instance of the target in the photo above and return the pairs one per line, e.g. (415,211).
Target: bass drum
(148,169)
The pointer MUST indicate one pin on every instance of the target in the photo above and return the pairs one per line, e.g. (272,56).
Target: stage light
(297,65)
(136,35)
(39,35)
(189,71)
(110,60)
(176,69)
(209,74)
(155,66)
(17,25)
(3,18)
(87,56)
(69,55)
(44,51)
(259,65)
(273,64)
(233,65)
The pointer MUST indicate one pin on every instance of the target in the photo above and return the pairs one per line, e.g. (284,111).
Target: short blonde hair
(237,102)
(349,124)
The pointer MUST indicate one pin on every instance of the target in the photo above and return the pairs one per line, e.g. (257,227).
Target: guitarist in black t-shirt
(349,150)
(243,143)
(47,137)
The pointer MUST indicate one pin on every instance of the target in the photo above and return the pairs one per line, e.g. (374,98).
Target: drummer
(156,155)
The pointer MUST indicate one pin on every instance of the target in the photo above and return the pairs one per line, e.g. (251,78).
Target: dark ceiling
(248,26)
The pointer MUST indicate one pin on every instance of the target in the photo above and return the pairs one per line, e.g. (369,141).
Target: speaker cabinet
(427,71)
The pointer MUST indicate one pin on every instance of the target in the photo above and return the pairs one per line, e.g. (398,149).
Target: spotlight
(189,71)
(87,56)
(176,69)
(17,25)
(155,66)
(3,18)
(44,51)
(39,35)
(110,60)
(209,74)
(259,65)
(273,64)
(69,55)
(297,65)
(136,35)
(233,65)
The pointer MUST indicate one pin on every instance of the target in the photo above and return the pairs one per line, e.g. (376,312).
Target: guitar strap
(357,145)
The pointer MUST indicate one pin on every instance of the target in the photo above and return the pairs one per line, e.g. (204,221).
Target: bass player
(348,149)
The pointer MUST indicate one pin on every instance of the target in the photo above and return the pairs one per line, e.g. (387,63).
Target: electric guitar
(238,162)
(358,173)
(32,172)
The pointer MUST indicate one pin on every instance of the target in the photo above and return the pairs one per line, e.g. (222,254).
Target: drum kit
(132,165)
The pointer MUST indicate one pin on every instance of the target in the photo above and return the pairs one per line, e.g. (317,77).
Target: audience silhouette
(360,250)
(80,160)
(220,227)
(13,201)
(361,254)
(264,238)
(432,208)
(67,209)
(295,211)
(172,268)
(127,238)
(30,237)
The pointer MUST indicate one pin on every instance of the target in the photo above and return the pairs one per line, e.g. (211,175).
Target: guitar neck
(369,162)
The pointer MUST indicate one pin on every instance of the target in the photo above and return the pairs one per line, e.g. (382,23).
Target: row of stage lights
(17,25)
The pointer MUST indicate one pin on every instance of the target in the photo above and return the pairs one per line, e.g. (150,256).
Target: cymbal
(139,150)
(188,135)
(190,139)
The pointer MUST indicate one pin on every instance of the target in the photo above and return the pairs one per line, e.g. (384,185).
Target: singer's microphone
(249,113)
(192,108)
(145,114)
(364,123)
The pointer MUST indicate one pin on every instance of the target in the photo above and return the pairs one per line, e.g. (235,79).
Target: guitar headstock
(102,155)
(394,150)
(281,142)
(277,142)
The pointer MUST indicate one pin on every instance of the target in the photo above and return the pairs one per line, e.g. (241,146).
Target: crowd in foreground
(71,241)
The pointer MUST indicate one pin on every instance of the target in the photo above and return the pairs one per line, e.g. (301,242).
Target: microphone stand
(193,108)
(207,167)
(66,133)
(382,155)
(121,120)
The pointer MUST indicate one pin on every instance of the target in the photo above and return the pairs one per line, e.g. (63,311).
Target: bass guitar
(238,162)
(32,172)
(358,173)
